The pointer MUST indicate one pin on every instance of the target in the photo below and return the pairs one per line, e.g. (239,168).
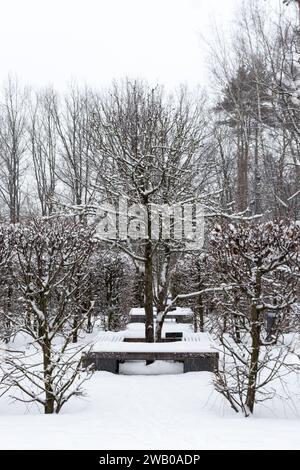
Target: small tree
(51,256)
(254,258)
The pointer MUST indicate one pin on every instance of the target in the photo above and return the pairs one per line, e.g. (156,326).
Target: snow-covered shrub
(258,261)
(50,274)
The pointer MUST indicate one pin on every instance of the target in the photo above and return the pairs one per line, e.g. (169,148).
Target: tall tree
(44,148)
(12,147)
(153,150)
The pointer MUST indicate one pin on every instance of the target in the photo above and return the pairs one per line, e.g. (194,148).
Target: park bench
(108,359)
(180,315)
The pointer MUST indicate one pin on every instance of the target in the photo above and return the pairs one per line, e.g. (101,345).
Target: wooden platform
(193,361)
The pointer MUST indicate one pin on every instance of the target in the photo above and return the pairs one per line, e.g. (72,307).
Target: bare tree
(12,147)
(51,256)
(72,121)
(43,147)
(154,150)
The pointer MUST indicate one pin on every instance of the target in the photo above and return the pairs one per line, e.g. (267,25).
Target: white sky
(55,41)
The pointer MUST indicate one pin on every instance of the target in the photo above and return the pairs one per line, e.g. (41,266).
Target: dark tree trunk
(257,178)
(199,315)
(242,171)
(149,326)
(75,329)
(139,288)
(255,333)
(49,401)
(159,327)
(237,329)
(255,345)
(162,296)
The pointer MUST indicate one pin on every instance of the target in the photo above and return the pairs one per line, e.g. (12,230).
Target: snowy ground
(157,368)
(151,412)
(147,412)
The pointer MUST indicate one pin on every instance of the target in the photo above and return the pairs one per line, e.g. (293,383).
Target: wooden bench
(193,361)
(180,315)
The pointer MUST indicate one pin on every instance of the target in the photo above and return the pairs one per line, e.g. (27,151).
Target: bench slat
(193,361)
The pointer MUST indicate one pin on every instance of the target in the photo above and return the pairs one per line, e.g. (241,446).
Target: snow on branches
(51,267)
(262,261)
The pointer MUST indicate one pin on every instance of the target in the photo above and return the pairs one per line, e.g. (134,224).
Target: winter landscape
(150,229)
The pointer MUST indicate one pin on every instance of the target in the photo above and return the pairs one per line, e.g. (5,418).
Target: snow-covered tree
(257,260)
(52,256)
(150,149)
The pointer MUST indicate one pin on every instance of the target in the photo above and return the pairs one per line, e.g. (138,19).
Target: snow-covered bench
(179,314)
(196,356)
(109,336)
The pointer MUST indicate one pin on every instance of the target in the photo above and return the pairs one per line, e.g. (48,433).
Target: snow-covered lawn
(149,412)
(168,411)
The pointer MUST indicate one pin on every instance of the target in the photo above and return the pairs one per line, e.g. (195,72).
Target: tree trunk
(75,329)
(159,326)
(162,295)
(89,326)
(237,330)
(199,315)
(139,288)
(49,402)
(257,178)
(78,312)
(242,171)
(255,344)
(255,333)
(149,325)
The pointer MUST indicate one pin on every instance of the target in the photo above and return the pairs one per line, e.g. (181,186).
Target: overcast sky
(55,41)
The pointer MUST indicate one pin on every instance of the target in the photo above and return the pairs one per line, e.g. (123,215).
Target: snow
(148,412)
(157,368)
(109,341)
(203,345)
(38,312)
(164,410)
(137,311)
(137,330)
(184,311)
